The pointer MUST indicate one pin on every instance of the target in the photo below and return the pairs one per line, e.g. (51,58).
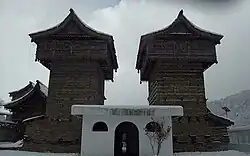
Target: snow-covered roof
(11,144)
(72,16)
(38,86)
(221,119)
(127,110)
(19,99)
(181,20)
(30,85)
(86,30)
(4,111)
(8,124)
(33,118)
(240,128)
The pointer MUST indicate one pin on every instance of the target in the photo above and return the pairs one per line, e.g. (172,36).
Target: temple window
(100,127)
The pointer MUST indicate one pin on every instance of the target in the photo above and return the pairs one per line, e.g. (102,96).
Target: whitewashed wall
(102,143)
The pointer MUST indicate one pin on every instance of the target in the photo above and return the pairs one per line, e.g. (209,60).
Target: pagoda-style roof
(219,119)
(38,87)
(80,31)
(20,92)
(180,28)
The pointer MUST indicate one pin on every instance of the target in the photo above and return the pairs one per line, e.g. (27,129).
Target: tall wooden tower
(80,59)
(173,60)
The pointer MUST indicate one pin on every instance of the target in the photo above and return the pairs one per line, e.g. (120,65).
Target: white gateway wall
(102,143)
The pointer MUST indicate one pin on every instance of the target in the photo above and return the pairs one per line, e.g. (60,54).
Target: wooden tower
(173,60)
(80,59)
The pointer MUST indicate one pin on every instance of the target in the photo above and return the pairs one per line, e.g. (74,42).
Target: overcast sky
(126,20)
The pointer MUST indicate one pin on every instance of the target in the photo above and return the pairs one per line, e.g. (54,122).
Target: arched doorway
(126,140)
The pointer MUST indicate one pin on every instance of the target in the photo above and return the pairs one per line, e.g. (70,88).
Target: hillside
(238,104)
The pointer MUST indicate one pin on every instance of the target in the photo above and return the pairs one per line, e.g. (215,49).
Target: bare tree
(1,102)
(226,109)
(157,133)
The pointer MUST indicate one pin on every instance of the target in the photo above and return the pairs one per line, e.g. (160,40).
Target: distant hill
(238,104)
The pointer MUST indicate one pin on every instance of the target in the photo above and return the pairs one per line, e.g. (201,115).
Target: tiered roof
(38,87)
(180,27)
(85,32)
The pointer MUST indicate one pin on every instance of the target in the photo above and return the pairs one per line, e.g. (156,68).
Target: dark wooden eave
(181,19)
(27,87)
(84,28)
(39,87)
(219,119)
(8,124)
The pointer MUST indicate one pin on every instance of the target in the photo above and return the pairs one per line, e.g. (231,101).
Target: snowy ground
(224,153)
(22,153)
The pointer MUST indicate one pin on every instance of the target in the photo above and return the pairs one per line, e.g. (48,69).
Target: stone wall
(53,136)
(179,83)
(71,82)
(198,133)
(11,132)
(182,83)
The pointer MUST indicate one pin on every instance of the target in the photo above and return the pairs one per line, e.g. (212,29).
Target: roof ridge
(71,15)
(42,87)
(33,117)
(181,16)
(30,83)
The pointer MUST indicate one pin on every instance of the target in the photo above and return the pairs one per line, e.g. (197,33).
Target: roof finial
(71,10)
(180,13)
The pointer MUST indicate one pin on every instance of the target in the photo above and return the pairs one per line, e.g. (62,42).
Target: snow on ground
(22,153)
(222,153)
